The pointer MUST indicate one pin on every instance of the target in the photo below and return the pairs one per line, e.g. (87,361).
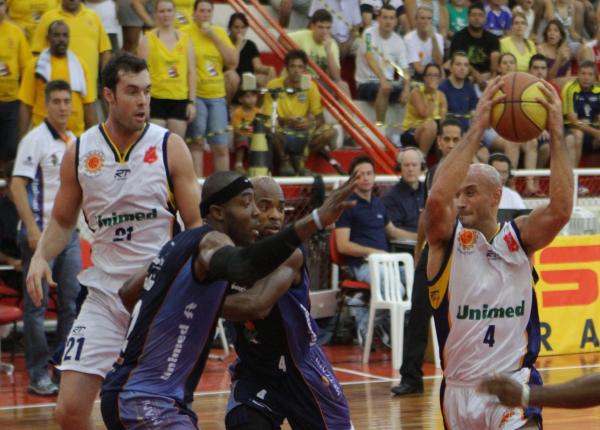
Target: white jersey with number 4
(484,306)
(126,202)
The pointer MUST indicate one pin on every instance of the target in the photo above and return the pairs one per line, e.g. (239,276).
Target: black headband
(225,194)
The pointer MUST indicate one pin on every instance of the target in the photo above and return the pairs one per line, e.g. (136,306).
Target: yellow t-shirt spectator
(507,45)
(87,37)
(168,68)
(315,51)
(27,13)
(295,105)
(242,120)
(210,82)
(184,11)
(31,92)
(14,56)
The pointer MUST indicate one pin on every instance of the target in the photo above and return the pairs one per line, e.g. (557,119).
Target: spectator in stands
(346,21)
(481,46)
(538,67)
(37,171)
(214,52)
(107,11)
(438,10)
(426,106)
(566,12)
(370,9)
(134,16)
(510,199)
(497,17)
(526,8)
(381,55)
(364,229)
(581,107)
(300,124)
(53,63)
(9,222)
(424,44)
(321,48)
(593,47)
(517,43)
(172,65)
(284,10)
(416,333)
(458,16)
(249,57)
(242,121)
(184,12)
(459,91)
(26,13)
(88,39)
(405,201)
(14,56)
(555,48)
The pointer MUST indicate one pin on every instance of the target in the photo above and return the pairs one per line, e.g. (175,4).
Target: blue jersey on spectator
(498,22)
(366,221)
(461,101)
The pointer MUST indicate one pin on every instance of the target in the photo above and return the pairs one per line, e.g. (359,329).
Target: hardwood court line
(364,374)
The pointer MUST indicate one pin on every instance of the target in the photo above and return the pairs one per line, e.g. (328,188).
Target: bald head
(270,202)
(484,174)
(266,187)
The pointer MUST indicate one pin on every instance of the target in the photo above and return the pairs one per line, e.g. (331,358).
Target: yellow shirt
(168,68)
(507,45)
(315,51)
(14,56)
(296,105)
(27,13)
(184,11)
(87,37)
(31,92)
(242,120)
(412,118)
(210,82)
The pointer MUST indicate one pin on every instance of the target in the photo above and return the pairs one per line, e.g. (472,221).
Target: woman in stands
(517,43)
(172,64)
(555,48)
(249,55)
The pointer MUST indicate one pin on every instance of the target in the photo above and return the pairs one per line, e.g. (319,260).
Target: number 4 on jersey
(489,336)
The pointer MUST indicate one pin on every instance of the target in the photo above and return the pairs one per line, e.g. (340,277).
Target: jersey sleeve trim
(438,286)
(77,148)
(171,196)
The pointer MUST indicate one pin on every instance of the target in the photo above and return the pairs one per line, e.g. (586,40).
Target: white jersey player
(128,177)
(481,284)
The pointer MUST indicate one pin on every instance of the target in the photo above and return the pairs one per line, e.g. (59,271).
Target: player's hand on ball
(39,270)
(507,389)
(552,102)
(488,100)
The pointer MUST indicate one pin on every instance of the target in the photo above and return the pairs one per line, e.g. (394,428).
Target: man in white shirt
(423,43)
(510,198)
(35,182)
(381,55)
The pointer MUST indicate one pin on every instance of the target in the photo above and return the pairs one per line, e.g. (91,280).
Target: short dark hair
(451,122)
(321,15)
(387,6)
(56,22)
(435,66)
(587,64)
(123,61)
(458,54)
(56,85)
(537,57)
(503,158)
(295,54)
(197,2)
(235,16)
(361,159)
(476,5)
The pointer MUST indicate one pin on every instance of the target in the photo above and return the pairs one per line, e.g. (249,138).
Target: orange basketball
(520,117)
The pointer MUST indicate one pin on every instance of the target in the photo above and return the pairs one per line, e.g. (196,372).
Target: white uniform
(486,319)
(127,205)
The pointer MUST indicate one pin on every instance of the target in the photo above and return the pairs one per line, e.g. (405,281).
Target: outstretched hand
(553,104)
(337,202)
(506,388)
(487,101)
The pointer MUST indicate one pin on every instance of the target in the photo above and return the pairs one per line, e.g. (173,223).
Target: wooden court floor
(366,386)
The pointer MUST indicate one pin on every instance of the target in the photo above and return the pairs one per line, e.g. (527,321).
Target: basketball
(519,117)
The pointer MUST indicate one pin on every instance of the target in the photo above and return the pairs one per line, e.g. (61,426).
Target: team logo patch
(150,155)
(467,239)
(325,380)
(511,242)
(93,162)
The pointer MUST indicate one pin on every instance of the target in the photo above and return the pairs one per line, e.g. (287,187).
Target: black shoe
(404,389)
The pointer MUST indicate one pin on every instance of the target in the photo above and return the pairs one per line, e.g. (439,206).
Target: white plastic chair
(388,292)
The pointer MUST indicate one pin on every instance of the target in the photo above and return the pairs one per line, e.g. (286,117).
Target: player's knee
(247,418)
(68,414)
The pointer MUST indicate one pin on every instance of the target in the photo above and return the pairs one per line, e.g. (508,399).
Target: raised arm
(256,302)
(58,231)
(540,227)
